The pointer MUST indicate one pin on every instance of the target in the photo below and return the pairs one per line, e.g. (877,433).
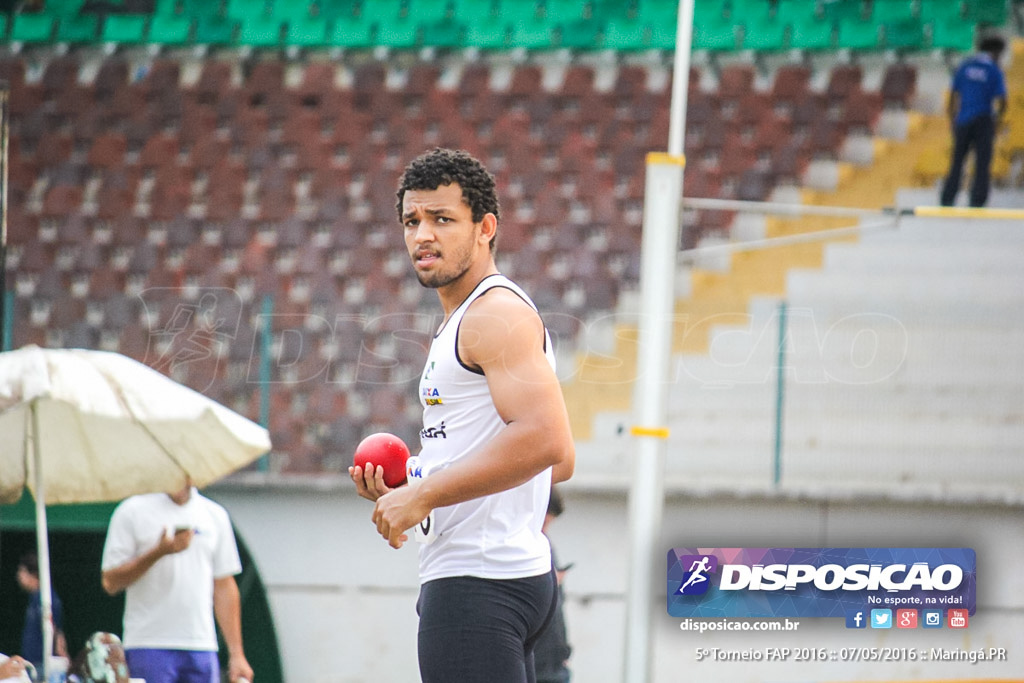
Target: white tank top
(496,536)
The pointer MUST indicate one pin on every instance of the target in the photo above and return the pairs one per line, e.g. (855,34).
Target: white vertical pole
(662,203)
(42,546)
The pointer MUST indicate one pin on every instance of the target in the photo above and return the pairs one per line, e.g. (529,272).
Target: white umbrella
(81,426)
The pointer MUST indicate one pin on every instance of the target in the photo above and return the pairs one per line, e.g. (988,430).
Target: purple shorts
(173,666)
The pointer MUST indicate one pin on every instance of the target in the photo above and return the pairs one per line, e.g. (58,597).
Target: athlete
(495,437)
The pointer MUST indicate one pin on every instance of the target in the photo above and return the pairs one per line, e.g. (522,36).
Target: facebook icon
(856,619)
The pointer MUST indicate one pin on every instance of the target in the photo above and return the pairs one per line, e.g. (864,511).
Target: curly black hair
(439,167)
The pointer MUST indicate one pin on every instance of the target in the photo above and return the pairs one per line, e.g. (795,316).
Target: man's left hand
(239,669)
(396,512)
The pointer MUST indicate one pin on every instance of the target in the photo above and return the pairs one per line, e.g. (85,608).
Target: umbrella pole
(42,547)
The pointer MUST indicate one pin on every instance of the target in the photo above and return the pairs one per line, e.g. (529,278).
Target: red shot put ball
(386,450)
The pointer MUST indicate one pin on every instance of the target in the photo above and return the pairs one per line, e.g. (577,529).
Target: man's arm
(120,577)
(504,337)
(1000,108)
(227,607)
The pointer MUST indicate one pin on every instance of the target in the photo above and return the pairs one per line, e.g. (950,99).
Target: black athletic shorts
(476,630)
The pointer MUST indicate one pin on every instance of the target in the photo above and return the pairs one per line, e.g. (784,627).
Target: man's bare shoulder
(500,324)
(500,305)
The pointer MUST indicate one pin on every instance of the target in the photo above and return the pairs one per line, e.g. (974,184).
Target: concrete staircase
(904,374)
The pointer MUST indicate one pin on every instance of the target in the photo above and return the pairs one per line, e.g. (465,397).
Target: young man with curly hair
(487,587)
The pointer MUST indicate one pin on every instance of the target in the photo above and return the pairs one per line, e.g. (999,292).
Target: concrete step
(920,260)
(806,287)
(949,231)
(884,365)
(823,401)
(838,467)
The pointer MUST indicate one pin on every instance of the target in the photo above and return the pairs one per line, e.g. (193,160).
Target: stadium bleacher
(159,175)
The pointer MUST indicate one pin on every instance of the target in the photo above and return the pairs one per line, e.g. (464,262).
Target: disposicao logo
(808,582)
(696,579)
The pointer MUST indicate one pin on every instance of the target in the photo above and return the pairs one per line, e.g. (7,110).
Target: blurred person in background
(551,654)
(32,633)
(976,106)
(175,556)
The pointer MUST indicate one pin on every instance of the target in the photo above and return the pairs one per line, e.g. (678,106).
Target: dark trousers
(978,133)
(482,630)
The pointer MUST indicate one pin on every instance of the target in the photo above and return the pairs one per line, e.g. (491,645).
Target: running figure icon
(697,573)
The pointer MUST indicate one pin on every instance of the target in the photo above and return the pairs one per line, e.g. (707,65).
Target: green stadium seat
(124,28)
(3,27)
(905,35)
(64,7)
(519,11)
(857,35)
(486,35)
(763,33)
(32,28)
(441,33)
(431,11)
(953,35)
(564,11)
(845,11)
(167,29)
(83,28)
(260,31)
(166,7)
(581,34)
(332,10)
(532,35)
(992,12)
(307,32)
(398,33)
(623,34)
(714,36)
(242,10)
(351,32)
(214,30)
(292,10)
(667,11)
(663,35)
(892,11)
(381,11)
(807,30)
(811,34)
(470,11)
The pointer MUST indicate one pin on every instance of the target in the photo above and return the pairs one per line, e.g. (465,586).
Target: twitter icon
(881,618)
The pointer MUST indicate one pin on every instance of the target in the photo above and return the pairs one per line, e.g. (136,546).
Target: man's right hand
(179,540)
(13,668)
(369,481)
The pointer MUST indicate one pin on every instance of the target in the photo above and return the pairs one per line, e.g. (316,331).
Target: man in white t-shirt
(495,436)
(174,555)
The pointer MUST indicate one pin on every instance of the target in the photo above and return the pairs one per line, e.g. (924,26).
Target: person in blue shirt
(32,633)
(976,104)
